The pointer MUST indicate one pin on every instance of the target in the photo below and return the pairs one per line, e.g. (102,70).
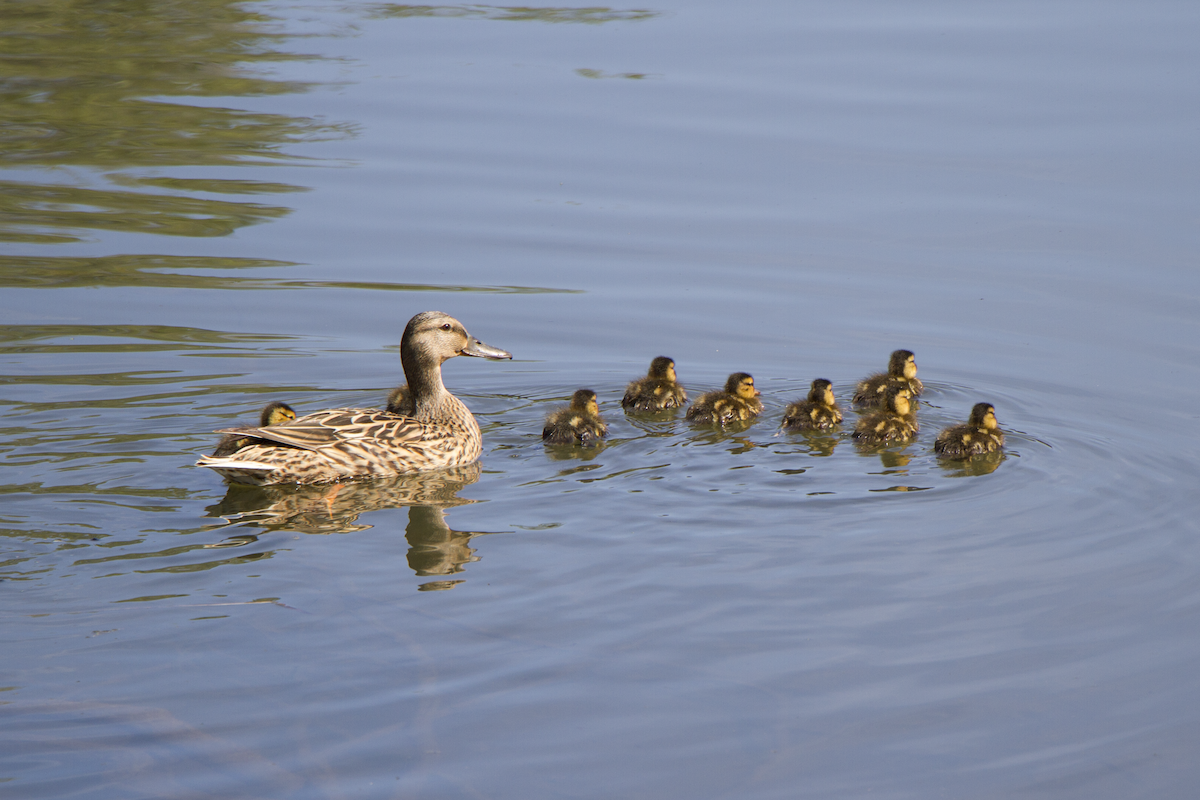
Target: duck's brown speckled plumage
(578,423)
(737,402)
(658,391)
(343,443)
(819,412)
(902,371)
(981,434)
(894,423)
(273,413)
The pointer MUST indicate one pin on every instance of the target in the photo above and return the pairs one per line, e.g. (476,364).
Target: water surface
(213,206)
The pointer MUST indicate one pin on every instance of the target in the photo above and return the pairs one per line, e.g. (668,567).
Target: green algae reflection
(91,85)
(593,15)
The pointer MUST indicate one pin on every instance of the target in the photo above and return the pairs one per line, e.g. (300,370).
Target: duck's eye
(446,326)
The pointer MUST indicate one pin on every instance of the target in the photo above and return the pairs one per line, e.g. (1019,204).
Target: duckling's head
(663,367)
(431,337)
(742,385)
(822,392)
(897,400)
(276,413)
(983,415)
(585,400)
(902,364)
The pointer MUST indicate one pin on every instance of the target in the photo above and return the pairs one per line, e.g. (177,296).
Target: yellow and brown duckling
(894,423)
(819,412)
(658,391)
(902,370)
(980,435)
(275,413)
(578,423)
(342,443)
(399,401)
(737,402)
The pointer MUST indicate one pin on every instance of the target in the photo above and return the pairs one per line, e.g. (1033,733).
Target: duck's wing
(338,426)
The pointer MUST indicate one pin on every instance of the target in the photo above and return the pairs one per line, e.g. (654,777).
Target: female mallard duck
(272,414)
(902,370)
(737,402)
(345,443)
(658,391)
(819,412)
(578,423)
(980,435)
(894,423)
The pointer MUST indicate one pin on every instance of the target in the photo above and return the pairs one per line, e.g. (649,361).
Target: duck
(399,401)
(578,423)
(658,391)
(737,402)
(345,443)
(273,413)
(818,412)
(894,423)
(902,369)
(981,434)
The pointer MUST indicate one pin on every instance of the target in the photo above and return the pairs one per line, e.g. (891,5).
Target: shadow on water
(85,85)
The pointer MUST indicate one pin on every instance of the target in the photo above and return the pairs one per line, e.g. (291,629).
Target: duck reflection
(434,549)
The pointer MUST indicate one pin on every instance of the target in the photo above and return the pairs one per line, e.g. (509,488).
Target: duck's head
(276,413)
(902,364)
(983,415)
(822,392)
(663,367)
(585,400)
(741,385)
(898,400)
(432,336)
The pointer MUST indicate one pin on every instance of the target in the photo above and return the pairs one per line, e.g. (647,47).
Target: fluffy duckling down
(274,413)
(902,371)
(980,435)
(399,401)
(894,423)
(658,391)
(578,423)
(818,412)
(737,402)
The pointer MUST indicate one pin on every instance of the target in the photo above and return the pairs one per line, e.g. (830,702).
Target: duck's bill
(478,348)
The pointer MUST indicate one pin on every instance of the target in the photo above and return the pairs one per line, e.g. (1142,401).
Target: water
(214,205)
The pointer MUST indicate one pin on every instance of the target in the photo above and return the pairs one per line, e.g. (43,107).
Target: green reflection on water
(50,272)
(587,16)
(86,84)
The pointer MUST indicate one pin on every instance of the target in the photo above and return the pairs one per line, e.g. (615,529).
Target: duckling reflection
(984,464)
(335,508)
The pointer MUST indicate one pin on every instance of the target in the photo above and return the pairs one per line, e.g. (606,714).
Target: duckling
(342,443)
(657,391)
(819,412)
(275,413)
(578,423)
(399,401)
(980,435)
(902,369)
(894,423)
(737,402)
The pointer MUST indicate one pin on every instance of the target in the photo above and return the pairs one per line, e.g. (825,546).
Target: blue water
(212,206)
